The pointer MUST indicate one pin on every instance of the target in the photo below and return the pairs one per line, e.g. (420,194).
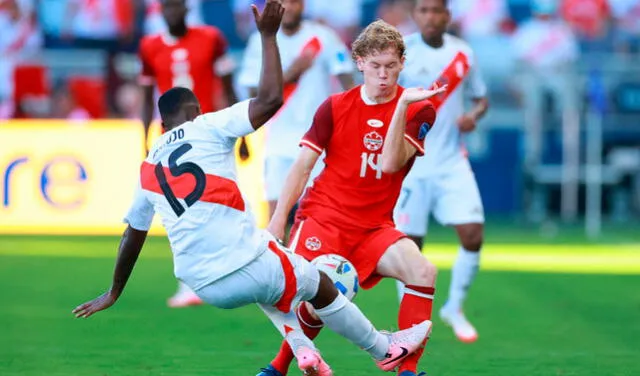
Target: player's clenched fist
(269,21)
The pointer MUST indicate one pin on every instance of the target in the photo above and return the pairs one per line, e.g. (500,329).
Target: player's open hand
(100,303)
(269,21)
(417,94)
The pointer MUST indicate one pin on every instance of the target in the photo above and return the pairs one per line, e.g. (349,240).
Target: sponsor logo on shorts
(313,243)
(375,123)
(373,141)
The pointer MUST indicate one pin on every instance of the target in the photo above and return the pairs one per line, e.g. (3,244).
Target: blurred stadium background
(557,160)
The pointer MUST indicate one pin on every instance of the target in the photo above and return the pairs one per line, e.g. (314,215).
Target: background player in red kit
(371,135)
(190,57)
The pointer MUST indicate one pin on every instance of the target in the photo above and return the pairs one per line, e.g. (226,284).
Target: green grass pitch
(555,320)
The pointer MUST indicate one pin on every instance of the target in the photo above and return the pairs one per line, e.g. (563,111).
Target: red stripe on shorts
(290,280)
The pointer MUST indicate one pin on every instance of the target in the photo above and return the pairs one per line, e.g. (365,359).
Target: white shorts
(276,170)
(277,278)
(453,198)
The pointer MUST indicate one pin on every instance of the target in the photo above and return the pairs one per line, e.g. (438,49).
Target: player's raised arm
(269,96)
(398,149)
(130,246)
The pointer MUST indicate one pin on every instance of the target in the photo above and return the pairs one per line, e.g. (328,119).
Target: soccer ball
(341,271)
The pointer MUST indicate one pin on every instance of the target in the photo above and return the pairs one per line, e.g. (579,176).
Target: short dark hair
(170,103)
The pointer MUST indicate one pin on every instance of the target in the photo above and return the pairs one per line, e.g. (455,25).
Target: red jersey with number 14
(352,189)
(187,62)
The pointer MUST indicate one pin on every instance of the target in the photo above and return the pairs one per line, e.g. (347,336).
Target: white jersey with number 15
(189,179)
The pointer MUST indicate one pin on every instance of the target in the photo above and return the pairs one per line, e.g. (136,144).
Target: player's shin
(344,318)
(416,306)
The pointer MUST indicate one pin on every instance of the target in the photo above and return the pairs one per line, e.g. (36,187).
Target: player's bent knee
(421,273)
(473,240)
(471,236)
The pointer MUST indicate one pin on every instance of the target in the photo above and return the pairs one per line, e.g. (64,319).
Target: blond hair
(375,38)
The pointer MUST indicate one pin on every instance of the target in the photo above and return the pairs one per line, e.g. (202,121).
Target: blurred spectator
(31,94)
(129,101)
(546,48)
(399,14)
(64,106)
(545,41)
(154,22)
(479,18)
(626,14)
(590,20)
(244,17)
(20,41)
(99,23)
(343,16)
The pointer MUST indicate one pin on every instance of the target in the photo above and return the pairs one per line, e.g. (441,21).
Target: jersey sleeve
(336,55)
(230,123)
(318,136)
(475,86)
(140,214)
(251,63)
(147,75)
(420,118)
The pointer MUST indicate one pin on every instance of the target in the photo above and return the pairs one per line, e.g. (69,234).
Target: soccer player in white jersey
(312,54)
(442,182)
(189,178)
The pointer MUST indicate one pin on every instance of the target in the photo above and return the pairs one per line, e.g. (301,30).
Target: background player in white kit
(442,182)
(218,251)
(312,54)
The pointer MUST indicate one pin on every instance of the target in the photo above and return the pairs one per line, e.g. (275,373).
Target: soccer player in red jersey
(371,135)
(190,57)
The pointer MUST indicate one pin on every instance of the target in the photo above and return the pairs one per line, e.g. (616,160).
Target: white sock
(288,325)
(462,275)
(183,288)
(346,319)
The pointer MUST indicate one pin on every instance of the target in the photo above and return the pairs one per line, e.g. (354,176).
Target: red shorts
(363,248)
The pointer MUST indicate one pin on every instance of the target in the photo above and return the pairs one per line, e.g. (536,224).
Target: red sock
(311,328)
(415,307)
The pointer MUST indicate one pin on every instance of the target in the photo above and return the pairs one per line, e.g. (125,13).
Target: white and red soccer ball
(341,271)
